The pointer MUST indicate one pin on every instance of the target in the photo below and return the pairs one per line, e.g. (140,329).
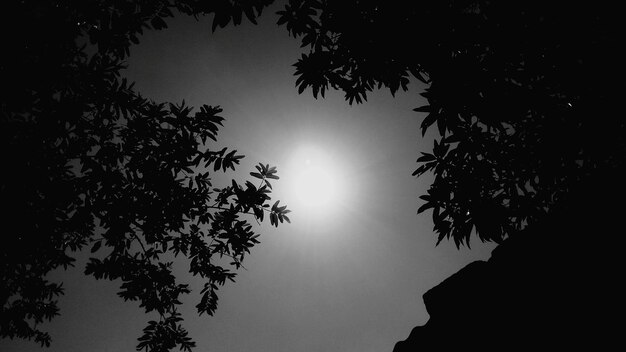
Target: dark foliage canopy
(523,95)
(91,164)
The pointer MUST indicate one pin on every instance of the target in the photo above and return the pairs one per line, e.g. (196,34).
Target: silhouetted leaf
(425,108)
(96,246)
(425,206)
(428,120)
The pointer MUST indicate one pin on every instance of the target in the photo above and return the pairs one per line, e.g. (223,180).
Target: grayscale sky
(346,277)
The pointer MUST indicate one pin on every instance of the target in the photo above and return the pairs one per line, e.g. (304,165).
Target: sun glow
(314,186)
(317,181)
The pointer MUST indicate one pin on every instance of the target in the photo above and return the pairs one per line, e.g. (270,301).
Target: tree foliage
(91,164)
(523,95)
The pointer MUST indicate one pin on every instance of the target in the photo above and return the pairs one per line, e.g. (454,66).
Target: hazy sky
(348,278)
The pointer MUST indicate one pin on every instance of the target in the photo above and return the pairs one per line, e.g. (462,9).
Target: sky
(349,272)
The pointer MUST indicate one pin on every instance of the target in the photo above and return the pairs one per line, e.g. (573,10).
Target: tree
(523,96)
(91,164)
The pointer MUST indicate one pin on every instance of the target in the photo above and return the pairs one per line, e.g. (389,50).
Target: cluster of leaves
(521,95)
(90,162)
(353,46)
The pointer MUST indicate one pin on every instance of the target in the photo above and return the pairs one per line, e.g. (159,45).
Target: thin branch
(233,258)
(139,239)
(240,212)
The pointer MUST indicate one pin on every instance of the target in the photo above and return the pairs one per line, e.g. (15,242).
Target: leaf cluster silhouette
(91,164)
(523,96)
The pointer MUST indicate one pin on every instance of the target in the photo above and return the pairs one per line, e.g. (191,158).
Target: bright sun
(317,181)
(314,185)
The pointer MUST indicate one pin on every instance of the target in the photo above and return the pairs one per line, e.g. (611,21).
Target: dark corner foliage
(523,95)
(89,164)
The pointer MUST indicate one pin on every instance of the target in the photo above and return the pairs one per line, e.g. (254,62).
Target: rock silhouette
(555,285)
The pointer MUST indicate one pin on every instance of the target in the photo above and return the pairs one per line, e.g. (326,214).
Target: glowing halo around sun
(317,182)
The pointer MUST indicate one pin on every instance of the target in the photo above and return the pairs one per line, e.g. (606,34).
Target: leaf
(217,164)
(158,23)
(441,125)
(420,170)
(426,157)
(237,17)
(258,212)
(417,74)
(427,122)
(452,138)
(425,207)
(282,19)
(425,108)
(249,11)
(96,246)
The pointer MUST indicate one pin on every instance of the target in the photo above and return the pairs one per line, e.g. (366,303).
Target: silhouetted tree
(88,162)
(524,95)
